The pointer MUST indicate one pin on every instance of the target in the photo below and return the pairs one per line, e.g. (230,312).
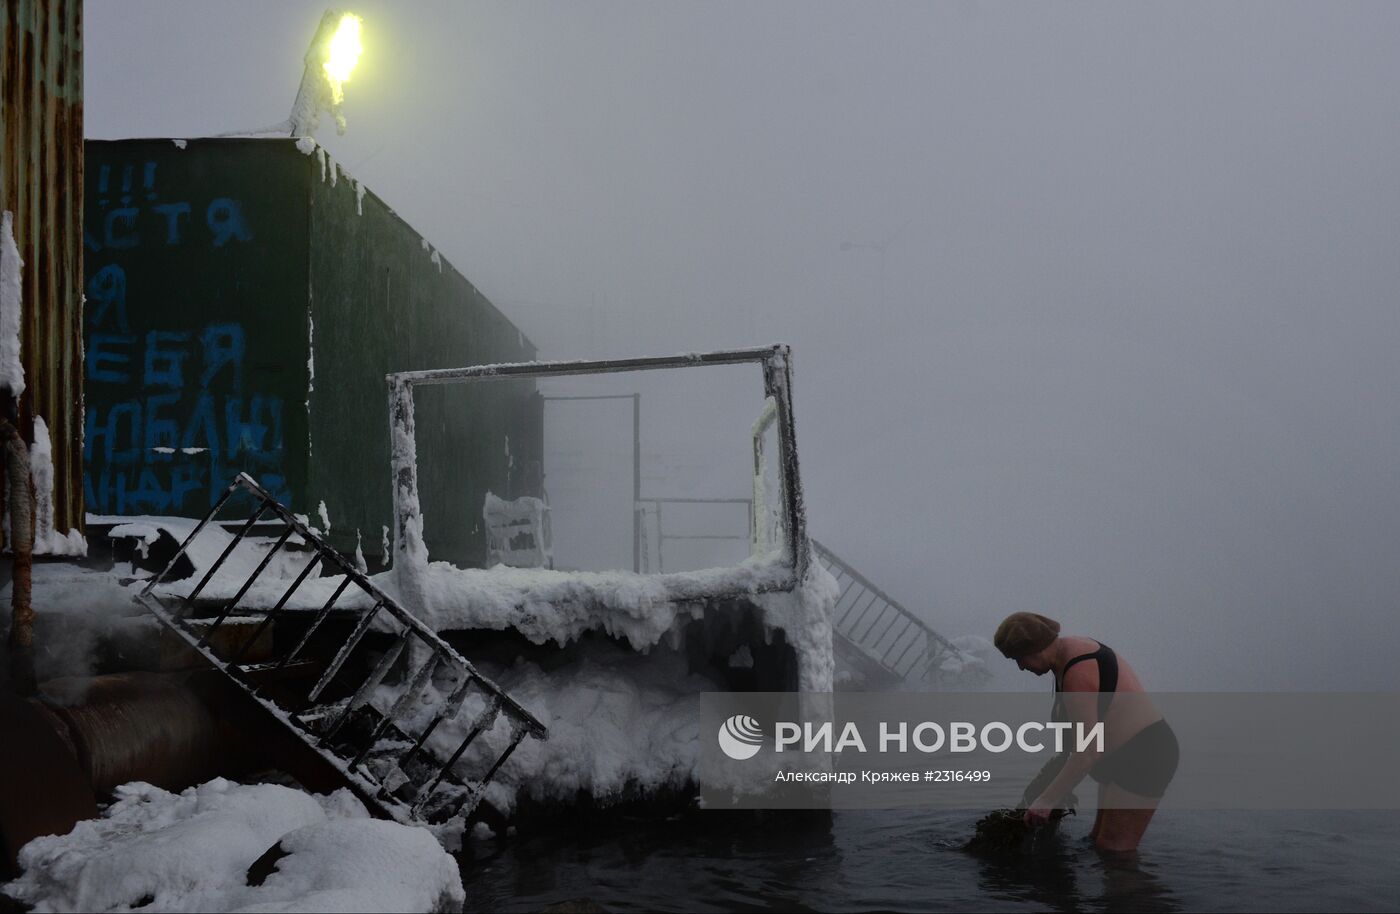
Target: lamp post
(330,59)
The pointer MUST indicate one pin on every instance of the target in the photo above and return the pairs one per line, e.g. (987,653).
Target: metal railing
(882,629)
(393,768)
(662,536)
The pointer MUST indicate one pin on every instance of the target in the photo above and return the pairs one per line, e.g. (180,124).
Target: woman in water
(1140,750)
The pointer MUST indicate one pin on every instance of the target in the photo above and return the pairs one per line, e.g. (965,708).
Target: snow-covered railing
(410,552)
(393,767)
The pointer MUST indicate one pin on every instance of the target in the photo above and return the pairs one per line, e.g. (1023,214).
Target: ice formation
(47,540)
(11,290)
(617,720)
(310,357)
(360,565)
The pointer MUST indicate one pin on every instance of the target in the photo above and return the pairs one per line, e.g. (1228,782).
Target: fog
(1093,306)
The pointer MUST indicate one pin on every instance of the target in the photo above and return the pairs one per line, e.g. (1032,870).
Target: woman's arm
(1082,710)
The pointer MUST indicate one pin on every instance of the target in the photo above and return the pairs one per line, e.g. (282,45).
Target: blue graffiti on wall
(181,422)
(120,228)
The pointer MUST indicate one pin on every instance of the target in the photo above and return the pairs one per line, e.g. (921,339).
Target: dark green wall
(195,363)
(202,265)
(381,303)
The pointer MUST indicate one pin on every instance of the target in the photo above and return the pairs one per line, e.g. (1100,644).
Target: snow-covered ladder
(393,769)
(879,627)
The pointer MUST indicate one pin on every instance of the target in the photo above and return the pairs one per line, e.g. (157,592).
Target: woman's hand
(1039,812)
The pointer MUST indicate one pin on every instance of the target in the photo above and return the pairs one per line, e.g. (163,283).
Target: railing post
(410,550)
(636,482)
(777,383)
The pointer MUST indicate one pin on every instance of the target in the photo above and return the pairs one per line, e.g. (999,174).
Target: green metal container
(245,300)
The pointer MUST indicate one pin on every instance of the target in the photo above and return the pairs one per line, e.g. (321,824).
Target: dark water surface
(909,860)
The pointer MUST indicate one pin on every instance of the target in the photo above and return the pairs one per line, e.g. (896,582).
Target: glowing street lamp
(330,59)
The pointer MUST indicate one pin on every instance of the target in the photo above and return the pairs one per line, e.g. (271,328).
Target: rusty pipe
(150,727)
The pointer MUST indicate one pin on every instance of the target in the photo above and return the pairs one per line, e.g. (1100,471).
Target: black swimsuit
(1143,765)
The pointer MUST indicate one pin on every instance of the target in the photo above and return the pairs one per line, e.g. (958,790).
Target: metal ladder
(393,768)
(879,627)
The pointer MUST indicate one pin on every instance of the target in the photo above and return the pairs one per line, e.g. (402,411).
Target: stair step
(318,713)
(274,671)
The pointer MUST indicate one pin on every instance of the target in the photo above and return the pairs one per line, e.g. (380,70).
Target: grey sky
(1136,358)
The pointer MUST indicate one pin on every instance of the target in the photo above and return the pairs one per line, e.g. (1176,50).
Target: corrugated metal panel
(41,182)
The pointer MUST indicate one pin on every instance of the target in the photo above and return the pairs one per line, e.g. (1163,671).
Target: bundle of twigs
(1004,831)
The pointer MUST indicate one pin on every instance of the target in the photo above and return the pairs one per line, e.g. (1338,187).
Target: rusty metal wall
(41,182)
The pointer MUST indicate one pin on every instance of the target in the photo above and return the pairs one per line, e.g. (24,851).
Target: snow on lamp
(330,60)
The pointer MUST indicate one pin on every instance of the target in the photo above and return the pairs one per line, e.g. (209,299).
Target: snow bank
(191,851)
(359,865)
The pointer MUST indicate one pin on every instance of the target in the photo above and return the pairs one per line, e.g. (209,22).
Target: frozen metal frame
(776,362)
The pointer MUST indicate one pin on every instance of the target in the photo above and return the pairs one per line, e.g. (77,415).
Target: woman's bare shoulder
(1082,676)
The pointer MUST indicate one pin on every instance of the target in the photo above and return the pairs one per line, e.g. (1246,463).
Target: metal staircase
(376,738)
(880,629)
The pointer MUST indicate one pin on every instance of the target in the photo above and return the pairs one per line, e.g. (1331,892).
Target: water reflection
(912,860)
(1129,884)
(718,860)
(1069,874)
(1043,873)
